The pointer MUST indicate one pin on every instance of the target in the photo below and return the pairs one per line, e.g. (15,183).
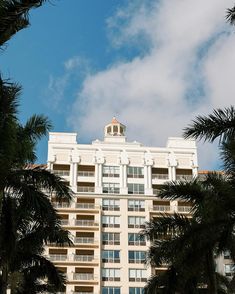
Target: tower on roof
(114,129)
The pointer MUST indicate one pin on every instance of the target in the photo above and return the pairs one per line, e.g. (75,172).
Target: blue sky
(155,64)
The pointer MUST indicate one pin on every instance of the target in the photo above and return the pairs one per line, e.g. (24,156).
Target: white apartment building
(116,184)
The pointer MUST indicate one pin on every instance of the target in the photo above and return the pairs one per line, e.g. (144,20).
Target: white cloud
(184,68)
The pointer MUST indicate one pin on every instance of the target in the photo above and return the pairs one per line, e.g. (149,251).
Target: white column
(148,179)
(170,173)
(98,178)
(195,171)
(50,165)
(75,176)
(123,179)
(71,178)
(173,169)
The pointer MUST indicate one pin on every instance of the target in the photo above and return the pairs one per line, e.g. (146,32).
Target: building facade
(116,184)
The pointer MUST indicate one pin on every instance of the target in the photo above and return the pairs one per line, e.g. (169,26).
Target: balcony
(86,174)
(184,209)
(61,204)
(85,189)
(160,176)
(86,223)
(84,258)
(182,177)
(85,240)
(87,206)
(83,277)
(161,208)
(58,257)
(61,173)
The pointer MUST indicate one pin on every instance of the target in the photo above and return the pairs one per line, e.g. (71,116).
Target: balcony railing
(85,223)
(184,177)
(83,276)
(161,208)
(84,258)
(84,240)
(86,174)
(61,204)
(86,189)
(58,257)
(160,176)
(185,209)
(86,206)
(156,191)
(83,293)
(65,222)
(63,173)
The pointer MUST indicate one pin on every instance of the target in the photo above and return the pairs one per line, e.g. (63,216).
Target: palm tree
(230,16)
(30,187)
(14,16)
(189,245)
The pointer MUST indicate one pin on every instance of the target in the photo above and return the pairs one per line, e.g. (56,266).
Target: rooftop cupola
(114,131)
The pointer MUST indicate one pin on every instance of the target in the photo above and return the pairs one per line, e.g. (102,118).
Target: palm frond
(220,124)
(230,15)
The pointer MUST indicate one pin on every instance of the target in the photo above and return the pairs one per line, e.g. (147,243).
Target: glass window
(111,238)
(139,275)
(135,172)
(136,205)
(111,290)
(137,256)
(111,204)
(136,221)
(112,188)
(136,290)
(135,188)
(111,171)
(229,269)
(111,274)
(111,255)
(110,221)
(136,239)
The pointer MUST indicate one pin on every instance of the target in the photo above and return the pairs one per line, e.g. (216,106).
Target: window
(227,255)
(111,290)
(111,204)
(110,274)
(111,188)
(111,239)
(111,256)
(135,172)
(136,290)
(111,221)
(135,188)
(229,269)
(136,221)
(137,275)
(136,256)
(111,171)
(136,205)
(136,239)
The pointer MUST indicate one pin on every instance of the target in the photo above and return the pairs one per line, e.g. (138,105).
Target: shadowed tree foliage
(14,16)
(27,217)
(230,16)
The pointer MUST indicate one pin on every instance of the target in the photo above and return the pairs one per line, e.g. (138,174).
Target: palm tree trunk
(210,265)
(3,289)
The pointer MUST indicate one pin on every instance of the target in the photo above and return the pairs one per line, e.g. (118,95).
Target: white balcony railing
(84,240)
(58,257)
(85,223)
(86,206)
(61,173)
(184,177)
(61,204)
(86,189)
(84,258)
(161,208)
(83,276)
(160,176)
(86,174)
(184,209)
